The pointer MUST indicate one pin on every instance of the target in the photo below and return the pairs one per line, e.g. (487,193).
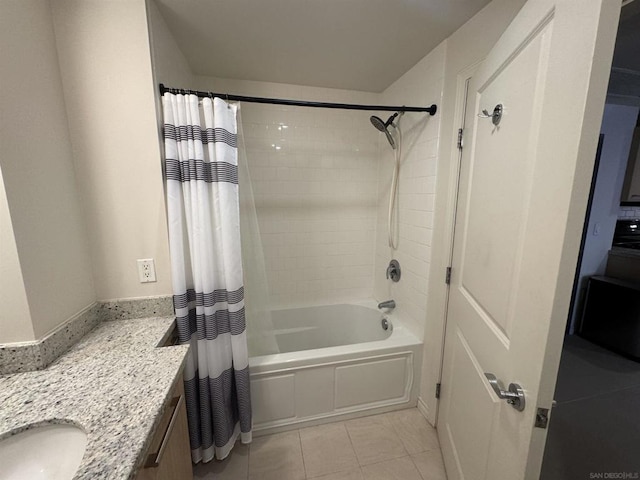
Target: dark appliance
(611,315)
(627,234)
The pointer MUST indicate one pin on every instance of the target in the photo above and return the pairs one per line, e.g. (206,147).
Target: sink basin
(48,452)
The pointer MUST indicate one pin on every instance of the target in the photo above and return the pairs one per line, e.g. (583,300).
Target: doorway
(595,426)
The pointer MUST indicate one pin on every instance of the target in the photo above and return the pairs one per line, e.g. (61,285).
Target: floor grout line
(304,465)
(248,458)
(384,421)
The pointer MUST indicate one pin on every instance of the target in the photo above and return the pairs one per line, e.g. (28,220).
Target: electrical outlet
(146,270)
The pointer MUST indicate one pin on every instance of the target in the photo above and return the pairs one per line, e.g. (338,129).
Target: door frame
(463,80)
(438,296)
(465,50)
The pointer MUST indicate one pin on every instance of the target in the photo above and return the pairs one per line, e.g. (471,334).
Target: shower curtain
(204,237)
(261,338)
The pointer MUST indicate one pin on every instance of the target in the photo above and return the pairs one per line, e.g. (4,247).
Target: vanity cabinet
(169,455)
(631,185)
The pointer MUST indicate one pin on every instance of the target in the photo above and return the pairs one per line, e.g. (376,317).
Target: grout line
(304,465)
(353,447)
(248,457)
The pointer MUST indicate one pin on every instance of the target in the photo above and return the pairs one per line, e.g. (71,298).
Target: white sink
(48,452)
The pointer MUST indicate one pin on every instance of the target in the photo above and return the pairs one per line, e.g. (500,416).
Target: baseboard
(423,408)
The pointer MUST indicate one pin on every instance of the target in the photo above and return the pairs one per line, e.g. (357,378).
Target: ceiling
(351,44)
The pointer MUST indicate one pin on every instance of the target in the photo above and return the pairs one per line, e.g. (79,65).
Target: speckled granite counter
(114,383)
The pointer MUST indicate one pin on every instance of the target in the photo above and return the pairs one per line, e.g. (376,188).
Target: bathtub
(334,361)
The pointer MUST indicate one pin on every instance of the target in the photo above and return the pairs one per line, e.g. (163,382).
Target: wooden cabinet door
(170,445)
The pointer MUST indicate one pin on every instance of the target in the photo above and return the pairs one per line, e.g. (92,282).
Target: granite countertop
(114,383)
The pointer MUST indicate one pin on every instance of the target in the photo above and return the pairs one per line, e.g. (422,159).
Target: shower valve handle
(393,271)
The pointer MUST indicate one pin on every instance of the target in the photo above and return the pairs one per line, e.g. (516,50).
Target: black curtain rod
(298,103)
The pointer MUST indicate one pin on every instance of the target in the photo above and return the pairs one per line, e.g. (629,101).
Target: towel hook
(495,117)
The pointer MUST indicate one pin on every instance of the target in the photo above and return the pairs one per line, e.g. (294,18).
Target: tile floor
(595,426)
(398,445)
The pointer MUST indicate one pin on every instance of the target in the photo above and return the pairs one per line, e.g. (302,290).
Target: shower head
(384,127)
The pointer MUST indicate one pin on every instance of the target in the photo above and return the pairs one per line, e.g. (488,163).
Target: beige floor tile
(327,449)
(355,474)
(414,430)
(396,469)
(276,457)
(374,439)
(234,467)
(430,465)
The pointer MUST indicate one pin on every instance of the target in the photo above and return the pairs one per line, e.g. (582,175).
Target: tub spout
(387,304)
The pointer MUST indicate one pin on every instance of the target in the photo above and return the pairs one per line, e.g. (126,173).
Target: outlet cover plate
(146,270)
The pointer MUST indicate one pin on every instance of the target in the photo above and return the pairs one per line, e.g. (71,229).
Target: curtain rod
(298,103)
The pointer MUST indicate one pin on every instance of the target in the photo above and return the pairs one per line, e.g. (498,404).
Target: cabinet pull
(154,459)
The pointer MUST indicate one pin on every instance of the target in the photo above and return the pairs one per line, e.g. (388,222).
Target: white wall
(314,175)
(169,64)
(618,123)
(15,318)
(105,60)
(49,232)
(420,86)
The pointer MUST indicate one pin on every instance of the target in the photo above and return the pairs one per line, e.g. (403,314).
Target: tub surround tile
(414,431)
(327,449)
(114,383)
(396,469)
(374,439)
(137,308)
(276,457)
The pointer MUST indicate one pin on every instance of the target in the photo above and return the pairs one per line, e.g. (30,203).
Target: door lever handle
(514,396)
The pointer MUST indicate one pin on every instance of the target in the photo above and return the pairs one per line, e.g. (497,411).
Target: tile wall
(321,183)
(314,175)
(629,212)
(315,179)
(422,85)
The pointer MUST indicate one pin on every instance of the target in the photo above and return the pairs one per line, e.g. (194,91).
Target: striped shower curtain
(204,237)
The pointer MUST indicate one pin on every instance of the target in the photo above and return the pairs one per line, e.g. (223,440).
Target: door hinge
(542,418)
(437,390)
(459,144)
(447,278)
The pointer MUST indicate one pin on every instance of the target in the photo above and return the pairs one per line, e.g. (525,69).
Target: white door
(522,196)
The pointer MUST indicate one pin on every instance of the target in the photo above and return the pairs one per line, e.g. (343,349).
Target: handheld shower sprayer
(384,126)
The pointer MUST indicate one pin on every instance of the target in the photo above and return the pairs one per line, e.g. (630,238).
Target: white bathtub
(335,360)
